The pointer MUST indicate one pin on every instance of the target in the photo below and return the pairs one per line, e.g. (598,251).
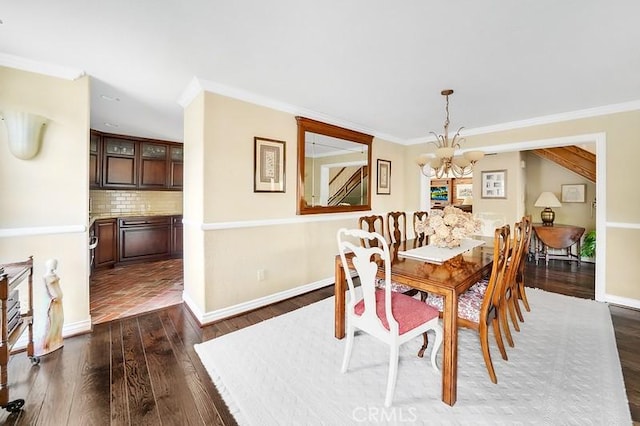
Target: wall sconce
(24,132)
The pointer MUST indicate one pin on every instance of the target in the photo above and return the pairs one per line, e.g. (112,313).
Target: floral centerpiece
(448,227)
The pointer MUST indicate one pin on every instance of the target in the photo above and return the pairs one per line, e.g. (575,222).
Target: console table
(562,237)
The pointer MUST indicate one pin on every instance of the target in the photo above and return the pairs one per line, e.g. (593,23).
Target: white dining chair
(392,317)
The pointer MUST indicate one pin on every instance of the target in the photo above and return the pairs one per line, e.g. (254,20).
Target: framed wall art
(574,193)
(494,184)
(269,165)
(384,177)
(464,190)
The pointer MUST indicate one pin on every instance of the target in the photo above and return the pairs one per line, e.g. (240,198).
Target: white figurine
(55,313)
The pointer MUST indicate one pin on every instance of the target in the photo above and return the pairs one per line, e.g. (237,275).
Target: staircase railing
(349,185)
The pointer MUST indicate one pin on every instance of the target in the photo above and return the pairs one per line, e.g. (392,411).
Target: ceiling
(376,66)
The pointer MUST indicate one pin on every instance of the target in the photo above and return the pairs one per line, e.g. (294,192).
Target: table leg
(450,355)
(339,289)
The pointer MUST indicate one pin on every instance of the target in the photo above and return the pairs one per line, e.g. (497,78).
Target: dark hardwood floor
(144,370)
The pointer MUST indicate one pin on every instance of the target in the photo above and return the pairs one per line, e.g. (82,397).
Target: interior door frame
(600,140)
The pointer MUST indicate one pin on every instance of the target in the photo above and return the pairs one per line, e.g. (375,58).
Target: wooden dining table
(449,280)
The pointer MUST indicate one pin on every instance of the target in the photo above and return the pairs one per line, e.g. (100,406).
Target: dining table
(448,279)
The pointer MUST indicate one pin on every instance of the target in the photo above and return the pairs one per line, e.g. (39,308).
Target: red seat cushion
(409,312)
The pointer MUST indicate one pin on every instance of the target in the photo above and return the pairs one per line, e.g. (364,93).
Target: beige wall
(243,231)
(511,207)
(45,199)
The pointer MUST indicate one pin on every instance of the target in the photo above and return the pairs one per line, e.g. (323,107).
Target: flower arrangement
(448,227)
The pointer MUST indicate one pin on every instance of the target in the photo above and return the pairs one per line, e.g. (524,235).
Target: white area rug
(564,370)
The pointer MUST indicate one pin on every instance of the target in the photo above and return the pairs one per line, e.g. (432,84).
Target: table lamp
(547,200)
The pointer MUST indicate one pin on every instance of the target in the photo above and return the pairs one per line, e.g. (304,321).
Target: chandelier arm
(459,171)
(436,144)
(457,140)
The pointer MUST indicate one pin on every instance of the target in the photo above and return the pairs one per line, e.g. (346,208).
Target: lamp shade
(474,156)
(547,199)
(24,131)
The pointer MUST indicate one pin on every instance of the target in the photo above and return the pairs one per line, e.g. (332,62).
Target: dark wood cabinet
(176,236)
(136,239)
(106,252)
(120,163)
(175,167)
(144,238)
(126,162)
(153,166)
(95,163)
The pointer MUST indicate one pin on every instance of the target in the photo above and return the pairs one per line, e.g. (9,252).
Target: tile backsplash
(144,203)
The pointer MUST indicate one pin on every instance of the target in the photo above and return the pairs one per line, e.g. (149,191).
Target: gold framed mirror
(334,168)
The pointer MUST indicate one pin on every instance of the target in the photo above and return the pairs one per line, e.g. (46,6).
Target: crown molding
(197,85)
(557,118)
(190,92)
(45,68)
(537,121)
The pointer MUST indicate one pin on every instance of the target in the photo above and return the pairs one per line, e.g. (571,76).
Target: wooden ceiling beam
(573,158)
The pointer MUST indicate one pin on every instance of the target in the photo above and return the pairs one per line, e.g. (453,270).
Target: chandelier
(445,161)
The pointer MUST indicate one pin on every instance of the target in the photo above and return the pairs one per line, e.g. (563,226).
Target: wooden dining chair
(396,227)
(391,317)
(421,238)
(509,301)
(528,229)
(373,223)
(509,297)
(481,304)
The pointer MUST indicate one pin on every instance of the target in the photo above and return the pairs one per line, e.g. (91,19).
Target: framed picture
(269,164)
(494,184)
(384,177)
(574,193)
(464,190)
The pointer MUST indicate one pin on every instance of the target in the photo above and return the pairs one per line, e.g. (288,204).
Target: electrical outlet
(261,274)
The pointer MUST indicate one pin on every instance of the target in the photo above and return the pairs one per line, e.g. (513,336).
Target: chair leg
(502,315)
(517,304)
(393,375)
(347,349)
(514,310)
(484,344)
(436,346)
(498,336)
(425,339)
(522,295)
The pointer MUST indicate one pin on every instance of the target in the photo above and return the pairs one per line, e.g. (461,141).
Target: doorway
(599,139)
(129,290)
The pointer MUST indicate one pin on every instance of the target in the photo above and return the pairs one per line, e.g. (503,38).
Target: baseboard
(205,318)
(68,330)
(622,301)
